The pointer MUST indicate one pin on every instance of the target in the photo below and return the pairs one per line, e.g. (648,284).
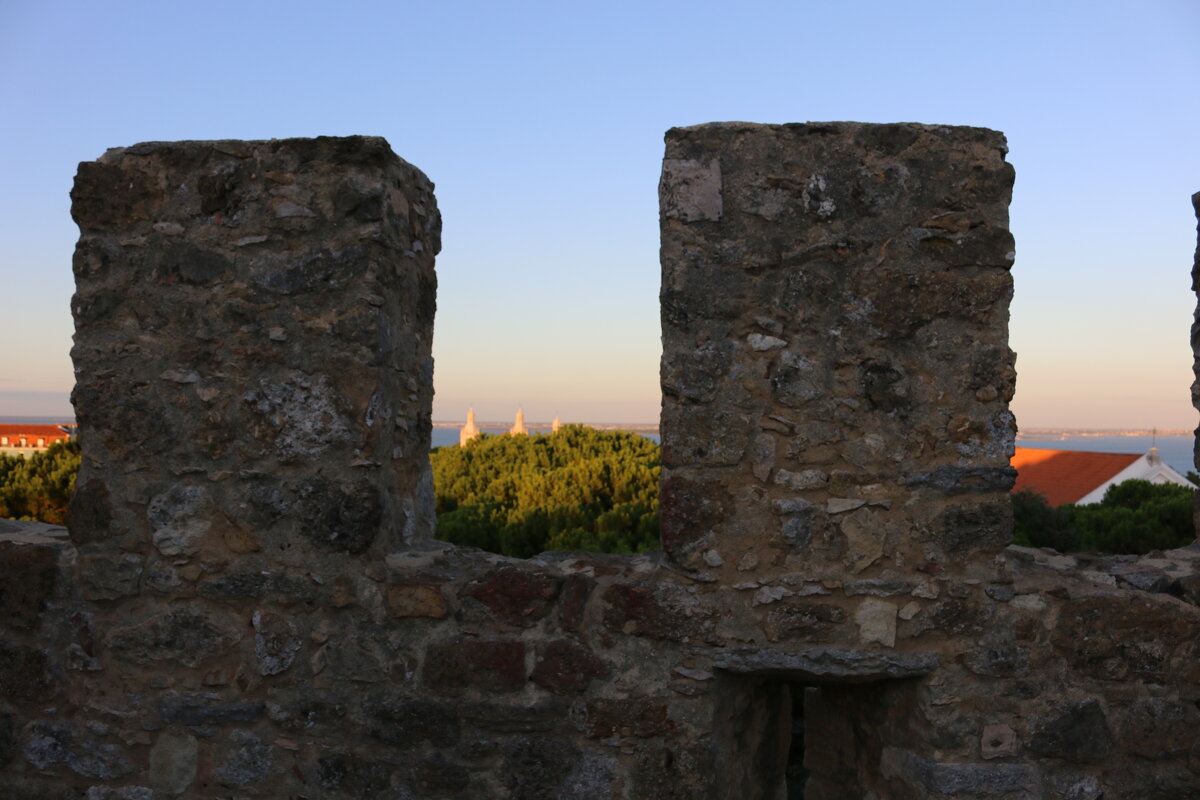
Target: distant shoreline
(1024,433)
(651,427)
(636,427)
(1044,433)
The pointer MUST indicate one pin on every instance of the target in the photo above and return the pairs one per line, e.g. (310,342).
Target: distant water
(1175,450)
(447,436)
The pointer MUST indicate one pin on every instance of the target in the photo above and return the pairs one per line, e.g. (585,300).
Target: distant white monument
(519,426)
(554,426)
(469,431)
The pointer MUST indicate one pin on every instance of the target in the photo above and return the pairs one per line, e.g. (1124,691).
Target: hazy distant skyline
(541,124)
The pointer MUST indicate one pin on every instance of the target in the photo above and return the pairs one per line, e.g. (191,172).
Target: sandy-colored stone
(877,621)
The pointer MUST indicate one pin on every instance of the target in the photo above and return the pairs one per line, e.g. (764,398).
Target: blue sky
(541,124)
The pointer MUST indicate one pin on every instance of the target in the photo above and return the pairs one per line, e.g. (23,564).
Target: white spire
(519,425)
(470,430)
(554,426)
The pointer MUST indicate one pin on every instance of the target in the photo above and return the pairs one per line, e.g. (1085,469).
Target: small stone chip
(838,505)
(762,343)
(180,376)
(694,674)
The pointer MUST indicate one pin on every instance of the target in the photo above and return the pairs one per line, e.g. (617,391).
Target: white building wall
(1149,467)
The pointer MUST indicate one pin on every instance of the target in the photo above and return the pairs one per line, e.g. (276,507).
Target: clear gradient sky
(541,124)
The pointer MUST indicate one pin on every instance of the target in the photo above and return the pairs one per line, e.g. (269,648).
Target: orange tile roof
(51,433)
(1065,476)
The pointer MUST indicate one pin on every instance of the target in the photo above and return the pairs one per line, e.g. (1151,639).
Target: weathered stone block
(638,718)
(536,767)
(30,574)
(936,780)
(415,600)
(245,759)
(25,673)
(406,724)
(997,741)
(173,760)
(797,619)
(356,777)
(1115,637)
(1156,728)
(275,642)
(679,771)
(826,664)
(542,716)
(876,621)
(8,739)
(1078,732)
(252,584)
(575,592)
(566,666)
(48,744)
(119,793)
(183,636)
(656,611)
(104,577)
(515,596)
(486,665)
(307,710)
(436,777)
(352,657)
(999,661)
(207,708)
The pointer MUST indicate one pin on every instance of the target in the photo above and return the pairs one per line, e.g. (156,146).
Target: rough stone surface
(407,724)
(272,280)
(30,573)
(1078,733)
(998,741)
(173,763)
(50,744)
(566,666)
(637,718)
(883,271)
(877,622)
(491,666)
(206,708)
(185,637)
(827,664)
(275,643)
(516,597)
(103,577)
(247,759)
(416,601)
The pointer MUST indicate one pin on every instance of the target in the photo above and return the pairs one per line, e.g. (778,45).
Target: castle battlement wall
(250,603)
